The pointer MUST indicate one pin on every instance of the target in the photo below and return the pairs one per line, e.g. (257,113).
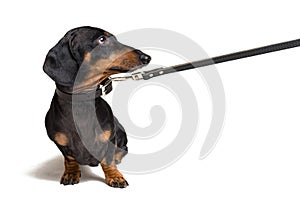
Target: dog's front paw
(70,178)
(117,182)
(113,177)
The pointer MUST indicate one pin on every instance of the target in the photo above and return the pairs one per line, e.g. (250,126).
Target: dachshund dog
(79,121)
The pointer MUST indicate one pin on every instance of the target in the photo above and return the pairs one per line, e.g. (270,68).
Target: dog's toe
(70,178)
(117,182)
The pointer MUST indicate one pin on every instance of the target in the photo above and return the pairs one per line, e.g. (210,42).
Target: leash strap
(145,75)
(215,60)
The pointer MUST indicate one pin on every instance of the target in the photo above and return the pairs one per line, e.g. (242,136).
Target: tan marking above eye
(61,138)
(106,33)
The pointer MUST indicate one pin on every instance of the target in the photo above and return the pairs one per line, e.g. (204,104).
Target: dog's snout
(145,59)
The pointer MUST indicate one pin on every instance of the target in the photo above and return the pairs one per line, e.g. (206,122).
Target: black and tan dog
(79,121)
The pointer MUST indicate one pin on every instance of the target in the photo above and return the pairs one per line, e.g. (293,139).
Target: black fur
(60,118)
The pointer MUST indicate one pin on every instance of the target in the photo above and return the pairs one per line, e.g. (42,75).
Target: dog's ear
(60,64)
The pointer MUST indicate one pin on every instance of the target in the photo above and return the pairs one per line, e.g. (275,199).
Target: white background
(258,153)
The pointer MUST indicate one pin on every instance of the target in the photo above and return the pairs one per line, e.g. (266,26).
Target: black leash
(206,62)
(220,59)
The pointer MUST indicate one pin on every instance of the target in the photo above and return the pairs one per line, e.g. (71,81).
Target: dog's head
(86,56)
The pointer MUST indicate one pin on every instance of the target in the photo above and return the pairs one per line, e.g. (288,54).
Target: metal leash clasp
(135,76)
(107,87)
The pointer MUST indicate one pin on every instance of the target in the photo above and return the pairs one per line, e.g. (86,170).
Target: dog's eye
(102,40)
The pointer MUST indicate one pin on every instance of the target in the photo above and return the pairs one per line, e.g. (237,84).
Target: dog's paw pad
(70,178)
(117,182)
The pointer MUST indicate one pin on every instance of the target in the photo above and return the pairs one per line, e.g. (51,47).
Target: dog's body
(79,137)
(79,121)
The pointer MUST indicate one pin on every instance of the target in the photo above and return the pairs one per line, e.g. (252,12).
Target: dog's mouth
(137,67)
(118,69)
(122,70)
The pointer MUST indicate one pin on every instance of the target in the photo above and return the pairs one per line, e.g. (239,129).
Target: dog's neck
(79,97)
(68,93)
(65,89)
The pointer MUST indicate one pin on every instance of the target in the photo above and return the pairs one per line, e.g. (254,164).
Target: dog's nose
(145,59)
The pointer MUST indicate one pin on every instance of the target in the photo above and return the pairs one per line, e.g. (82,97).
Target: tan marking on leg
(72,172)
(118,157)
(70,158)
(104,161)
(113,177)
(61,138)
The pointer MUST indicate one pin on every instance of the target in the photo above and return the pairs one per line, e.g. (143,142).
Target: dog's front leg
(72,172)
(113,177)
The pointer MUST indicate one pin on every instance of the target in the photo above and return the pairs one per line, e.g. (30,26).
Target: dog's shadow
(53,169)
